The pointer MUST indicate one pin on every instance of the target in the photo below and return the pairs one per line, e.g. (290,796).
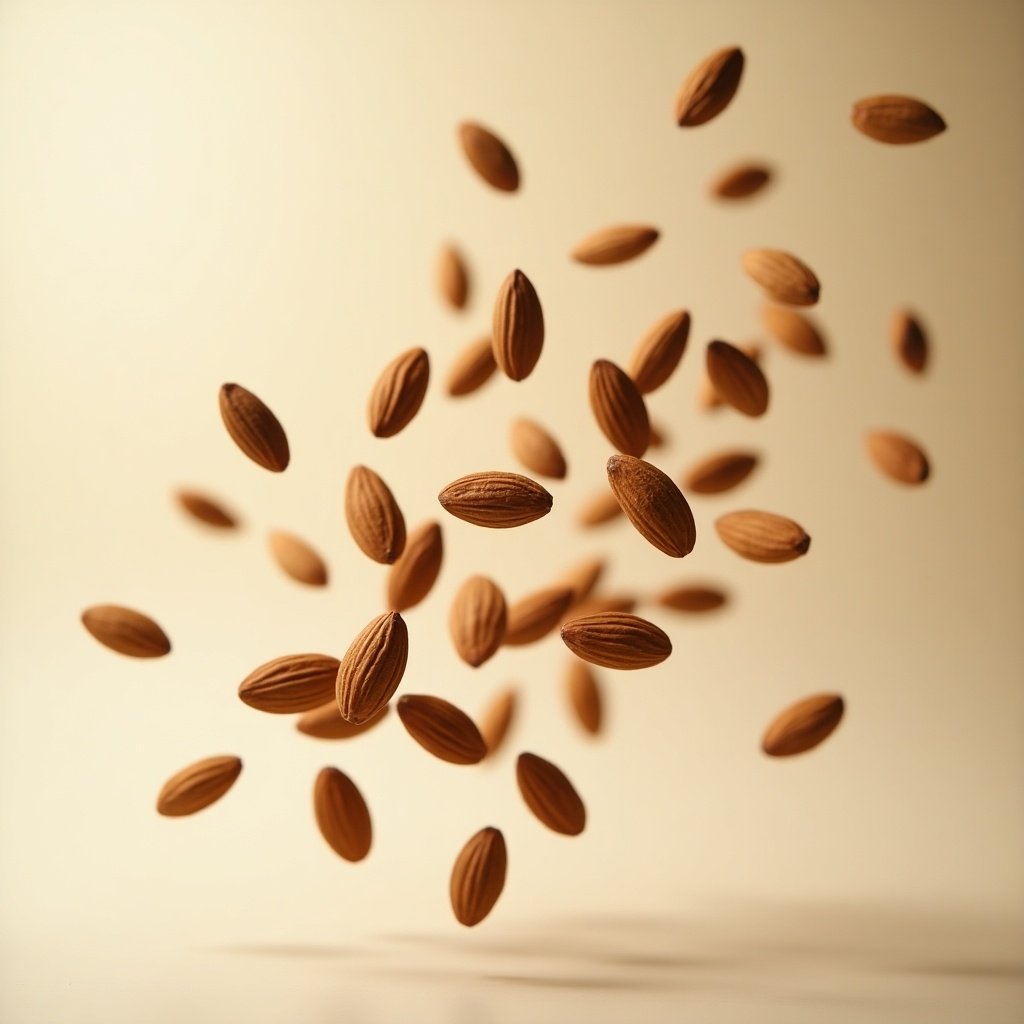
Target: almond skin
(342,815)
(254,428)
(615,244)
(398,393)
(478,620)
(372,668)
(518,327)
(452,277)
(536,449)
(295,682)
(740,181)
(602,507)
(619,408)
(584,696)
(782,276)
(478,876)
(599,604)
(898,120)
(909,341)
(794,330)
(707,397)
(719,473)
(496,500)
(692,599)
(126,631)
(616,640)
(584,577)
(737,379)
(803,725)
(297,559)
(206,510)
(709,87)
(442,729)
(489,156)
(413,575)
(374,518)
(550,795)
(658,352)
(533,617)
(326,723)
(898,457)
(763,536)
(497,719)
(653,504)
(473,367)
(198,786)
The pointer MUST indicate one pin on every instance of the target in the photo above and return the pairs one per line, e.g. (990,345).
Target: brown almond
(198,785)
(584,577)
(372,668)
(295,682)
(206,510)
(782,276)
(536,449)
(473,367)
(489,156)
(737,379)
(741,181)
(550,795)
(584,696)
(909,341)
(601,507)
(599,604)
(897,120)
(653,504)
(619,408)
(763,536)
(497,719)
(326,723)
(692,599)
(803,725)
(478,620)
(518,327)
(442,729)
(615,244)
(898,457)
(342,815)
(794,330)
(658,352)
(413,575)
(658,437)
(533,617)
(719,473)
(707,397)
(297,558)
(616,640)
(478,876)
(452,277)
(709,87)
(254,428)
(496,500)
(398,393)
(374,518)
(126,631)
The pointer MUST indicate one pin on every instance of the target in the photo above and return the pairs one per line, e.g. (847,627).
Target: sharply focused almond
(254,428)
(718,473)
(803,725)
(342,815)
(584,695)
(452,277)
(442,729)
(496,500)
(536,449)
(206,509)
(413,575)
(709,87)
(398,393)
(898,457)
(372,668)
(478,620)
(658,352)
(295,682)
(478,876)
(497,719)
(897,120)
(693,599)
(615,244)
(297,558)
(550,795)
(601,507)
(536,615)
(326,723)
(619,408)
(740,181)
(198,785)
(374,518)
(909,341)
(737,379)
(653,504)
(489,156)
(794,330)
(763,536)
(518,327)
(782,276)
(473,367)
(616,640)
(707,397)
(584,577)
(126,631)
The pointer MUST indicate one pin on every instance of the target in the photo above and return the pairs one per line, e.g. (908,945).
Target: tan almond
(497,719)
(478,876)
(600,604)
(496,500)
(803,725)
(709,87)
(452,277)
(413,575)
(653,504)
(206,509)
(619,408)
(737,379)
(326,723)
(374,518)
(126,631)
(616,640)
(782,276)
(536,449)
(584,696)
(898,457)
(254,428)
(658,352)
(473,367)
(518,327)
(721,472)
(295,682)
(298,559)
(909,341)
(693,599)
(441,728)
(489,156)
(198,785)
(658,436)
(550,795)
(583,577)
(372,668)
(898,120)
(763,536)
(398,393)
(707,397)
(740,181)
(478,620)
(342,815)
(534,616)
(615,244)
(601,507)
(794,330)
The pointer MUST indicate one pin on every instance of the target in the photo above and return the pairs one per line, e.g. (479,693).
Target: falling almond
(497,719)
(398,393)
(658,352)
(794,330)
(518,327)
(782,276)
(898,457)
(615,244)
(653,504)
(535,615)
(707,397)
(693,599)
(737,379)
(205,509)
(489,156)
(616,640)
(478,620)
(298,559)
(898,120)
(763,536)
(294,682)
(342,815)
(372,668)
(909,341)
(582,578)
(198,785)
(599,604)
(550,795)
(452,277)
(254,428)
(600,508)
(441,728)
(740,181)
(721,472)
(496,500)
(584,696)
(478,876)
(536,449)
(325,722)
(803,725)
(413,575)
(374,518)
(619,408)
(473,367)
(126,631)
(709,87)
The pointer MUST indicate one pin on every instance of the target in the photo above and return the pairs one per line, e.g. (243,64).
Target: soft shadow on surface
(291,950)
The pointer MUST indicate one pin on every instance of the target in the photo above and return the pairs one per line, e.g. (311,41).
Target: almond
(782,276)
(658,352)
(718,473)
(909,341)
(295,682)
(584,577)
(372,668)
(763,536)
(803,725)
(254,428)
(897,120)
(709,87)
(658,437)
(518,327)
(477,620)
(206,509)
(496,500)
(796,331)
(619,408)
(413,575)
(615,244)
(198,786)
(472,368)
(707,397)
(326,723)
(497,719)
(489,156)
(693,599)
(374,518)
(478,876)
(297,558)
(737,379)
(398,393)
(452,277)
(584,696)
(601,507)
(442,729)
(342,815)
(741,181)
(550,795)
(598,604)
(536,449)
(616,640)
(653,504)
(533,617)
(898,457)
(126,631)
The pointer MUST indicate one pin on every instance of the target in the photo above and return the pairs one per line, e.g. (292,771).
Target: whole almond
(442,729)
(763,536)
(126,631)
(413,575)
(601,507)
(658,352)
(198,785)
(707,397)
(693,599)
(619,408)
(398,393)
(497,719)
(342,815)
(584,577)
(718,473)
(372,668)
(518,327)
(550,795)
(616,640)
(478,620)
(740,181)
(897,120)
(782,276)
(326,723)
(909,341)
(496,500)
(709,87)
(254,428)
(653,504)
(206,510)
(478,876)
(473,367)
(584,696)
(489,156)
(452,277)
(803,725)
(794,330)
(615,244)
(536,449)
(374,518)
(295,682)
(599,604)
(737,379)
(297,558)
(533,617)
(898,457)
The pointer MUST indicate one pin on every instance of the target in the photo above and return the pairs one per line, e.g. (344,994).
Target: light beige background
(192,193)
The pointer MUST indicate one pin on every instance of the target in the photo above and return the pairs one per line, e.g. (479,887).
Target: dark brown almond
(794,330)
(489,156)
(741,181)
(709,87)
(737,379)
(782,276)
(473,367)
(295,682)
(297,558)
(763,536)
(372,668)
(898,457)
(897,120)
(452,277)
(198,785)
(719,473)
(478,620)
(550,795)
(518,327)
(584,577)
(126,631)
(442,729)
(619,408)
(584,696)
(692,599)
(536,449)
(497,719)
(533,617)
(598,604)
(413,575)
(496,500)
(374,518)
(803,725)
(478,876)
(615,244)
(653,504)
(616,640)
(658,352)
(326,723)
(398,393)
(206,510)
(909,341)
(342,815)
(254,428)
(707,397)
(601,507)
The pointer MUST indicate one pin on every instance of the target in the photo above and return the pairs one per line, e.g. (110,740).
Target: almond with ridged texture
(615,244)
(898,457)
(653,504)
(741,181)
(478,620)
(658,352)
(413,575)
(398,393)
(489,156)
(897,120)
(794,330)
(584,577)
(803,725)
(473,368)
(126,631)
(693,599)
(584,696)
(478,876)
(707,397)
(197,786)
(763,536)
(616,640)
(619,408)
(295,682)
(909,341)
(452,277)
(372,668)
(326,723)
(602,507)
(497,719)
(374,518)
(719,473)
(342,815)
(297,559)
(737,379)
(442,729)
(496,500)
(205,509)
(518,327)
(536,449)
(782,277)
(709,87)
(534,616)
(550,795)
(254,428)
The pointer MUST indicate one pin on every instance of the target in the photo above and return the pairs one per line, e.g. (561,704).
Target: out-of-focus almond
(601,507)
(126,631)
(583,578)
(342,815)
(740,181)
(763,536)
(478,876)
(653,504)
(326,723)
(803,725)
(536,449)
(441,728)
(658,436)
(599,604)
(254,428)
(709,87)
(452,277)
(518,327)
(719,473)
(898,457)
(496,500)
(497,719)
(372,668)
(295,682)
(489,156)
(297,558)
(909,341)
(737,379)
(198,785)
(794,330)
(533,617)
(374,518)
(473,367)
(782,276)
(619,408)
(658,352)
(692,599)
(206,510)
(615,244)
(584,695)
(550,795)
(707,397)
(478,620)
(616,640)
(413,575)
(398,393)
(897,120)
